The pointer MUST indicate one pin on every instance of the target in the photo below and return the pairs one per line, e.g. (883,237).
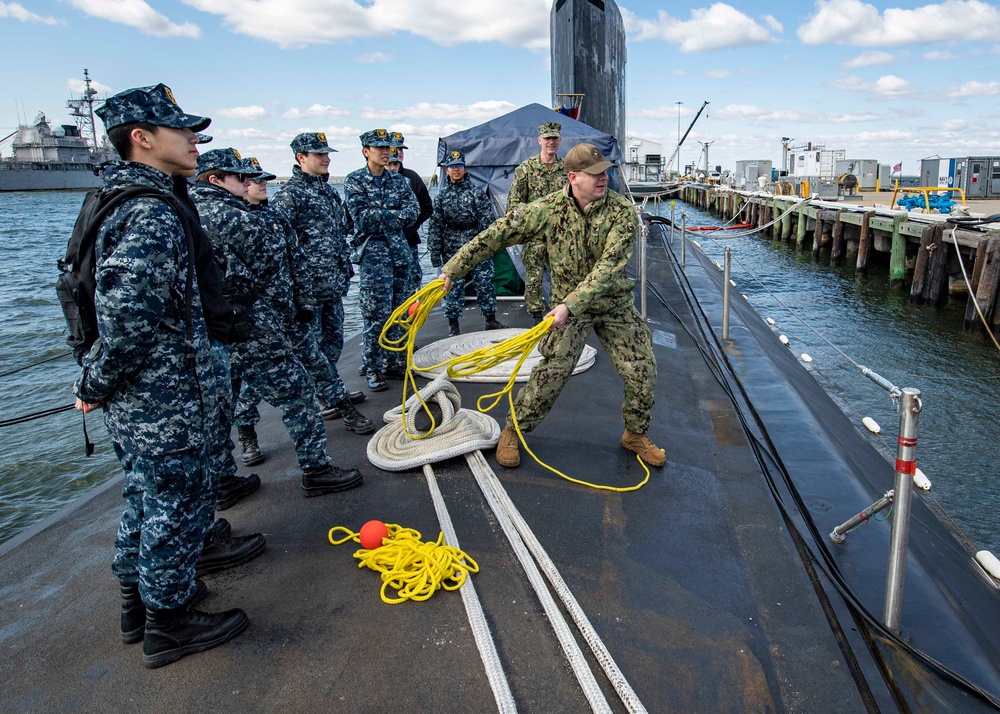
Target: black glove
(242,324)
(537,315)
(304,315)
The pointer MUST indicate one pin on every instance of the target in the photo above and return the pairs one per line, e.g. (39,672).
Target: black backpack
(76,285)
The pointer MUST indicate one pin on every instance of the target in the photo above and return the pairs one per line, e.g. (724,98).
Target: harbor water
(43,466)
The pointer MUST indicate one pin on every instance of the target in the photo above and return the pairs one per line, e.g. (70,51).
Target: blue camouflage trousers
(220,451)
(169,504)
(416,272)
(268,364)
(486,293)
(305,341)
(382,288)
(629,346)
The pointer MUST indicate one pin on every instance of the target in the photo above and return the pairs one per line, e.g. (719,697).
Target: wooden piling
(817,235)
(837,244)
(986,290)
(801,223)
(786,223)
(864,243)
(930,276)
(897,256)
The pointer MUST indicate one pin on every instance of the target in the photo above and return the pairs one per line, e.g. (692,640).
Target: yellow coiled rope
(411,567)
(411,316)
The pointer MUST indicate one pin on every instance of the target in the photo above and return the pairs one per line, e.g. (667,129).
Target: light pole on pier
(679,138)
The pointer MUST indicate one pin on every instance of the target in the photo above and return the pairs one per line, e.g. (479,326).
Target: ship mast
(83,111)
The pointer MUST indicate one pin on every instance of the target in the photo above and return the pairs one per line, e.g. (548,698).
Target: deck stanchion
(642,270)
(906,467)
(683,239)
(725,294)
(673,206)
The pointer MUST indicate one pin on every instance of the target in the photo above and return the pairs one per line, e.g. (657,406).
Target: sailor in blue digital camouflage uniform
(423,196)
(267,359)
(288,289)
(461,210)
(313,216)
(152,371)
(381,205)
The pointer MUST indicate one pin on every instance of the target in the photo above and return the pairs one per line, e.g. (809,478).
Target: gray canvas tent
(494,149)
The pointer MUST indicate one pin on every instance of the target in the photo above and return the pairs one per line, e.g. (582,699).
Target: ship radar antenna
(82,110)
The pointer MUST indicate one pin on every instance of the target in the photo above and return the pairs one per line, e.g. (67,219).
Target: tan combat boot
(508,455)
(639,444)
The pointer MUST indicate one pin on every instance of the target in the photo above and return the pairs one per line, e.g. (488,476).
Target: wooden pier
(922,248)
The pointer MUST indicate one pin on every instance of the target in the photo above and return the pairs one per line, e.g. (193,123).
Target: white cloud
(853,22)
(297,23)
(886,86)
(938,56)
(954,125)
(749,112)
(477,111)
(248,133)
(718,73)
(316,110)
(373,57)
(19,12)
(976,89)
(666,112)
(245,113)
(77,85)
(870,59)
(137,14)
(716,27)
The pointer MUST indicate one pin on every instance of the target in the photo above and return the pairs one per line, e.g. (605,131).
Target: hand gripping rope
(414,569)
(411,316)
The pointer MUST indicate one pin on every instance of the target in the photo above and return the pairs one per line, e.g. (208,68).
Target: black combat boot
(329,479)
(453,329)
(334,412)
(252,454)
(537,316)
(395,371)
(233,488)
(133,622)
(376,381)
(175,633)
(353,419)
(228,551)
(493,324)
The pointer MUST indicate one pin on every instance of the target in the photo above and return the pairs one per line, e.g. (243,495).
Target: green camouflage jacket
(533,179)
(587,251)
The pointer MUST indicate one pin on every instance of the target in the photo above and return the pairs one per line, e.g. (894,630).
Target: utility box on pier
(978,176)
(864,170)
(747,173)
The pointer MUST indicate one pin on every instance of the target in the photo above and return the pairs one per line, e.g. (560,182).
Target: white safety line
(474,609)
(509,517)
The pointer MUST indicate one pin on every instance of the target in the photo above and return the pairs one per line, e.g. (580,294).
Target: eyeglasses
(240,177)
(259,181)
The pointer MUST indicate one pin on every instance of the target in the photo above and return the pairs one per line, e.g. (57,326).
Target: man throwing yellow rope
(586,233)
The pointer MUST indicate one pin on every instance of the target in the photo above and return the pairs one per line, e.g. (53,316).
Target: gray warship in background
(64,158)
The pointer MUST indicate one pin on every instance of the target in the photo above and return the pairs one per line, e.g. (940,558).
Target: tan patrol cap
(588,159)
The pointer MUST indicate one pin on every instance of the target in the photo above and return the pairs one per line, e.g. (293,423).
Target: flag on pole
(897,168)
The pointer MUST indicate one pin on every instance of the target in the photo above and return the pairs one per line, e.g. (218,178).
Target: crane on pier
(679,143)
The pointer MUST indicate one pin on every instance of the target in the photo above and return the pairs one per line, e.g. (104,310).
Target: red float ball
(413,308)
(372,533)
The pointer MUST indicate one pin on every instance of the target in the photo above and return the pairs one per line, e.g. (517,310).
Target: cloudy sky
(890,80)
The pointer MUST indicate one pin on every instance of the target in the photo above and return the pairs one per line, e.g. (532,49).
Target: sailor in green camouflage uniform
(586,234)
(538,176)
(267,360)
(152,371)
(381,204)
(461,210)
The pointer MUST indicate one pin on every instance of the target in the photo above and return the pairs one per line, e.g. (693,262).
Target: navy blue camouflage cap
(228,160)
(398,140)
(394,155)
(311,142)
(203,138)
(253,166)
(155,105)
(376,137)
(550,130)
(454,159)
